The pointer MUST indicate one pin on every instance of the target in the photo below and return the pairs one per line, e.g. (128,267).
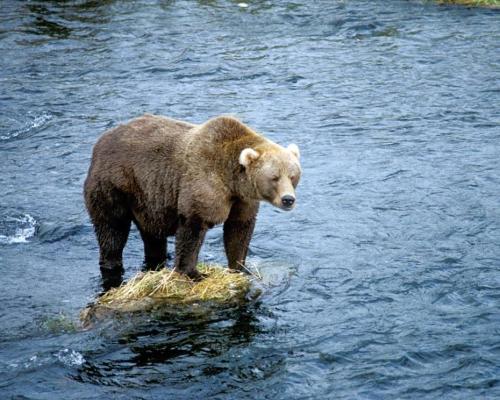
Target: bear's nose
(287,200)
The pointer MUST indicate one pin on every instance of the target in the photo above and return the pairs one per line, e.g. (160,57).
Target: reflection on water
(383,283)
(159,342)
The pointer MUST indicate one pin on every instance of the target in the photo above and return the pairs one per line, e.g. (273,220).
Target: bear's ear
(294,149)
(247,156)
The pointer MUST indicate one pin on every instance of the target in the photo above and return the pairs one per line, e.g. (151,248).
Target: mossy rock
(165,287)
(59,323)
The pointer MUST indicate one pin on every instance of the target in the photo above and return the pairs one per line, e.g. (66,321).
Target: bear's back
(145,132)
(141,139)
(135,151)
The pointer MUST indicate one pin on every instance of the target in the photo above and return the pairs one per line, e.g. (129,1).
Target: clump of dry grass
(473,3)
(167,286)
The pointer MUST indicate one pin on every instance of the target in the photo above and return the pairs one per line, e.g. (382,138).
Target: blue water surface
(385,278)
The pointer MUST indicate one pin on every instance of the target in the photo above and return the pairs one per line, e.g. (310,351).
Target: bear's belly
(158,224)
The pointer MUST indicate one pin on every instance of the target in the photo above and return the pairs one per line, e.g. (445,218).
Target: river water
(385,278)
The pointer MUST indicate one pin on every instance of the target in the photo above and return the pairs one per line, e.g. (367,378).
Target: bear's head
(274,173)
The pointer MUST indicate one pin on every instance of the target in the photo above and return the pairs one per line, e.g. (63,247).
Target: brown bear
(175,178)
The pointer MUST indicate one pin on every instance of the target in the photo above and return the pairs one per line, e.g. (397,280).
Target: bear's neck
(220,142)
(235,176)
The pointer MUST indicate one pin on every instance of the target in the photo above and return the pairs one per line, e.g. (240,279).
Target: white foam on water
(70,358)
(32,362)
(25,231)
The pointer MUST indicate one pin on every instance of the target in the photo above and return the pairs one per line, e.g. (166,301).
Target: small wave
(25,227)
(50,233)
(70,358)
(28,128)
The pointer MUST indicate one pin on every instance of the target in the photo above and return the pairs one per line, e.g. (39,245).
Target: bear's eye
(275,178)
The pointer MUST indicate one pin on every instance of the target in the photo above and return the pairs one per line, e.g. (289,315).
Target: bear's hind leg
(155,251)
(112,237)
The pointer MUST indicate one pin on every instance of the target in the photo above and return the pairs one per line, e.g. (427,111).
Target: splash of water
(25,230)
(70,357)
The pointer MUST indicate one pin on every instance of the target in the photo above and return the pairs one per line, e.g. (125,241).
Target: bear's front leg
(238,230)
(188,240)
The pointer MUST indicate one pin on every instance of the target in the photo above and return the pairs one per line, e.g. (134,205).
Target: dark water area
(386,278)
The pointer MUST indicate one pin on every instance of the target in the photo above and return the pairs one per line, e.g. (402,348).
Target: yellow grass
(473,3)
(164,288)
(218,285)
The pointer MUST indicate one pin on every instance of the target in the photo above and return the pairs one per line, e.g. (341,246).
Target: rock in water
(148,290)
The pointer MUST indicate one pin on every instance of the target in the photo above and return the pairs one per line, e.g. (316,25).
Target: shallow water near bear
(384,277)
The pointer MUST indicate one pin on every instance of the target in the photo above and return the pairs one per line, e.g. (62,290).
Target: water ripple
(23,129)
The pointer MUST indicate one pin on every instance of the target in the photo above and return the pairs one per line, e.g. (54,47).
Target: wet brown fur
(173,178)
